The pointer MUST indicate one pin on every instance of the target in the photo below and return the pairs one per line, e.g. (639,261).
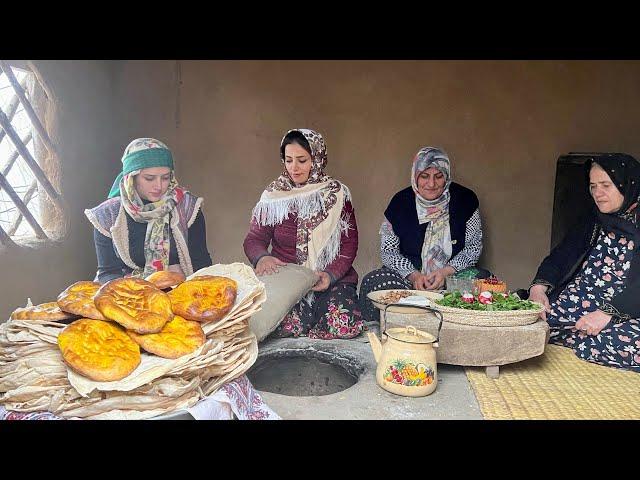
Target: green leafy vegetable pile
(499,303)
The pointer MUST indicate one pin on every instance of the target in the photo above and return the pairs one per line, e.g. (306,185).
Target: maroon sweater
(282,238)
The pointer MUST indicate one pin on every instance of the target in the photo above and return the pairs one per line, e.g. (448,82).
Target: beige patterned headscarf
(437,246)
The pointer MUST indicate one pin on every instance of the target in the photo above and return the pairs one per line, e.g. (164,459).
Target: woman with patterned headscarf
(431,230)
(148,223)
(590,283)
(307,218)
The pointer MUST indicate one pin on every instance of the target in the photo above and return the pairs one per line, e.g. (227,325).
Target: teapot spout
(376,346)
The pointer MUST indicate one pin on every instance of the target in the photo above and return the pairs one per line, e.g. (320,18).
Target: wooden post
(4,184)
(35,121)
(33,165)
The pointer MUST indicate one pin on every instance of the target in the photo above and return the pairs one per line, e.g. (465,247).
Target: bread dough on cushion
(78,299)
(135,304)
(165,279)
(205,298)
(98,350)
(284,289)
(45,311)
(177,338)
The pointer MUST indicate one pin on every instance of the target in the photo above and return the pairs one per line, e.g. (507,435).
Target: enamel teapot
(406,360)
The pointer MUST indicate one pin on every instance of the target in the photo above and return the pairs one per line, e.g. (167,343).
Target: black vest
(403,216)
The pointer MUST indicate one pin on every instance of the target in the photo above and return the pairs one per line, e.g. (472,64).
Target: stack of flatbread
(34,377)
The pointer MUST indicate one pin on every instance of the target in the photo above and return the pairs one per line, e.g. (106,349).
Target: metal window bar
(12,108)
(21,188)
(26,199)
(30,161)
(14,156)
(22,150)
(35,121)
(28,216)
(5,239)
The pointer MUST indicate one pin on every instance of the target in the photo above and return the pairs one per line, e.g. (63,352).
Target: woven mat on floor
(557,385)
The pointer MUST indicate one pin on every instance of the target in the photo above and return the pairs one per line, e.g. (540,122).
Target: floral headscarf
(284,182)
(318,204)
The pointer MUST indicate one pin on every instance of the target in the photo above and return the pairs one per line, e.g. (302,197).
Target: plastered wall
(503,123)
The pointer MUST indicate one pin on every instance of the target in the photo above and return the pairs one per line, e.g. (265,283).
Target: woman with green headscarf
(149,223)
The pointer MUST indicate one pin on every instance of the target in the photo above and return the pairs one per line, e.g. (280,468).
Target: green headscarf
(139,154)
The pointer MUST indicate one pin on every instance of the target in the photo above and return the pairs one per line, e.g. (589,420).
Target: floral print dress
(602,276)
(334,313)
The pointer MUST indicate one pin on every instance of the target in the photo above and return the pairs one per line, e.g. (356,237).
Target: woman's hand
(324,280)
(437,277)
(418,280)
(593,322)
(268,265)
(538,293)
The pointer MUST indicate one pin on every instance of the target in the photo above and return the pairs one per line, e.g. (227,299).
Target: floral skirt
(616,345)
(602,276)
(334,313)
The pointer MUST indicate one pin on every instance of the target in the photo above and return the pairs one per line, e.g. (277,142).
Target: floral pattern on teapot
(409,374)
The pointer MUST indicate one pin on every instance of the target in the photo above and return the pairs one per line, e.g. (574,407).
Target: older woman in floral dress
(590,283)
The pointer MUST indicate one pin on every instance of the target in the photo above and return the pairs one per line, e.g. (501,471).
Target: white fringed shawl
(319,207)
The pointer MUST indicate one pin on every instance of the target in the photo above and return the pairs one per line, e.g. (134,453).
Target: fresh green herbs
(499,302)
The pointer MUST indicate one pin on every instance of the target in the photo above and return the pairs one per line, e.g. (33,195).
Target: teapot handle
(437,313)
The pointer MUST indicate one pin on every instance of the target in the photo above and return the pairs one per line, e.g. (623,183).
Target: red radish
(468,298)
(485,298)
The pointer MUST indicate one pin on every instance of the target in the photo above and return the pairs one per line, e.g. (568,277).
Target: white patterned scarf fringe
(274,211)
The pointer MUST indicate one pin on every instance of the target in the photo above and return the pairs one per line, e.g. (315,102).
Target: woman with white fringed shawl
(308,219)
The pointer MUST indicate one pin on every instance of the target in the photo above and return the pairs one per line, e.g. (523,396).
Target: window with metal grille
(28,161)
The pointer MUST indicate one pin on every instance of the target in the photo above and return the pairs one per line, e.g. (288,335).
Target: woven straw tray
(480,318)
(506,318)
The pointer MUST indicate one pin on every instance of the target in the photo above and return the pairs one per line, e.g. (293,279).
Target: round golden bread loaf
(165,279)
(205,298)
(44,311)
(98,350)
(78,299)
(135,304)
(177,338)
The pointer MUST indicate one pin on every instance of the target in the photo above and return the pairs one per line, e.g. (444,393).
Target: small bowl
(462,285)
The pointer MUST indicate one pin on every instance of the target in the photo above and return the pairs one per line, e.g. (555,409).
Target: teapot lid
(410,334)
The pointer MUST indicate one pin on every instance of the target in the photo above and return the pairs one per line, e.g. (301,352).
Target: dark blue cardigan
(403,217)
